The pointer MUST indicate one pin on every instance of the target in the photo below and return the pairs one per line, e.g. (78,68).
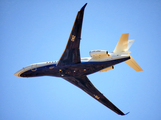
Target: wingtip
(83,6)
(126,114)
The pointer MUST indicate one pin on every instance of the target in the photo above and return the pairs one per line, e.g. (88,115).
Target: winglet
(126,113)
(83,7)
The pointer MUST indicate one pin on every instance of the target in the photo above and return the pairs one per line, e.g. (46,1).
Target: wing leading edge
(71,54)
(84,83)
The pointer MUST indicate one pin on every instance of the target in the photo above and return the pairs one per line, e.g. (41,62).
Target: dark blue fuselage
(74,70)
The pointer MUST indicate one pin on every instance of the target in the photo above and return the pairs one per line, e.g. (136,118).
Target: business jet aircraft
(75,70)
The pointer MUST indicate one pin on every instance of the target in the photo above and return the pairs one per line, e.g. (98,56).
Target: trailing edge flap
(132,63)
(122,44)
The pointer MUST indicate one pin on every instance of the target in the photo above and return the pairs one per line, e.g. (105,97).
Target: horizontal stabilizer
(122,43)
(132,63)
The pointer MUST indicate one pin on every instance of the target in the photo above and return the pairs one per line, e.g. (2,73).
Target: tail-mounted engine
(98,54)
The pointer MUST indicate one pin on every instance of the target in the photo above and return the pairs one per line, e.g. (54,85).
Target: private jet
(75,70)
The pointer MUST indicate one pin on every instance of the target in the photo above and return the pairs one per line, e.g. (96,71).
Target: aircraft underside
(77,70)
(71,68)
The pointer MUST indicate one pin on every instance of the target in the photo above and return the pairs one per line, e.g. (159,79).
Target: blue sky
(37,31)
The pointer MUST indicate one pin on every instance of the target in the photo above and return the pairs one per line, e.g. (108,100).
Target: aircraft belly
(82,69)
(92,67)
(74,70)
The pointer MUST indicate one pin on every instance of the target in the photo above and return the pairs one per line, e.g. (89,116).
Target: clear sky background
(33,31)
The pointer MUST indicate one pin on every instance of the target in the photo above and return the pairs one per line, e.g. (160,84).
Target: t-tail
(123,46)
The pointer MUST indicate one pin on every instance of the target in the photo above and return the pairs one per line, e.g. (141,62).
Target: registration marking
(96,97)
(73,38)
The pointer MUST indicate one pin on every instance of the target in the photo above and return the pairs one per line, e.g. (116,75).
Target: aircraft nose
(17,74)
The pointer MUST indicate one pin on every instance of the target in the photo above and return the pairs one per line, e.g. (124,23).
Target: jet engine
(97,54)
(107,69)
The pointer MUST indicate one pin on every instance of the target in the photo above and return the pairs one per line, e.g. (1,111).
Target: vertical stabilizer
(123,46)
(130,42)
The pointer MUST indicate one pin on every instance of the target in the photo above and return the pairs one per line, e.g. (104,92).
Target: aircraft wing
(84,83)
(71,54)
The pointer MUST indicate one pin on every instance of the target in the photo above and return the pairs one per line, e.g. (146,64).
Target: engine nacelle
(97,54)
(107,69)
